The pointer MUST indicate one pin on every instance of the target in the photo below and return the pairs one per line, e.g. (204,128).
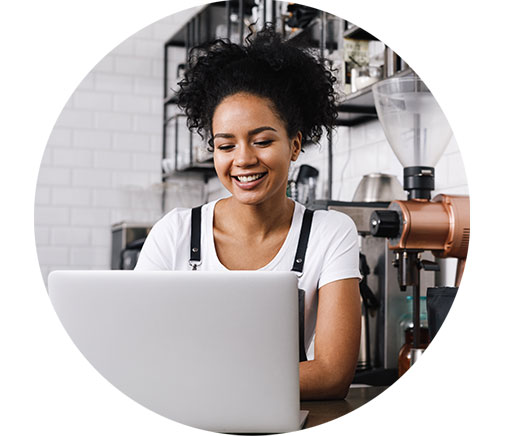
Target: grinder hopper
(415,127)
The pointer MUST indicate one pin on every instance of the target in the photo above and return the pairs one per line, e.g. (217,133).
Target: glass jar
(406,320)
(366,75)
(406,333)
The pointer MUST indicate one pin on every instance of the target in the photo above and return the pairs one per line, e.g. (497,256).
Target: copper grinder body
(441,225)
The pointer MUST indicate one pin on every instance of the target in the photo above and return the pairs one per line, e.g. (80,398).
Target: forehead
(245,111)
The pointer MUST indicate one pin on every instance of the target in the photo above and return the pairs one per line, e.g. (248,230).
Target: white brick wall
(102,161)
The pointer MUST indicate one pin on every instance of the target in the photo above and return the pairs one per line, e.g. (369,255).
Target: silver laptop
(214,350)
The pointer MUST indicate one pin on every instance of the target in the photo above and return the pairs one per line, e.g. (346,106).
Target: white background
(460,51)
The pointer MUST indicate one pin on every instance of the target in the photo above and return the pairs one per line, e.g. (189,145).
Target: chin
(248,200)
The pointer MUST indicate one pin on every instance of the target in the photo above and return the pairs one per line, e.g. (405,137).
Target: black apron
(298,263)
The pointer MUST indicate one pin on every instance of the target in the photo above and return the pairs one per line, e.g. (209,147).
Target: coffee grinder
(418,133)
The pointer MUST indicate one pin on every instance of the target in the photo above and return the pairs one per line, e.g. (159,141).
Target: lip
(248,185)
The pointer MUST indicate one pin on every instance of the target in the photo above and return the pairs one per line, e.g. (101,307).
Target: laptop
(214,350)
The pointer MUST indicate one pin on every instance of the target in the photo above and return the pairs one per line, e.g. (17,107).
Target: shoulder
(172,220)
(161,245)
(333,222)
(179,219)
(338,240)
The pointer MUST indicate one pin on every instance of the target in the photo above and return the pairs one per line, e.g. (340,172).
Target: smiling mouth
(250,178)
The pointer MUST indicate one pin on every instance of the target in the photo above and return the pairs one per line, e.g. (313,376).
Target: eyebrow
(250,133)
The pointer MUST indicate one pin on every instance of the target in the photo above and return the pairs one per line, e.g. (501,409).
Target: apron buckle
(194,264)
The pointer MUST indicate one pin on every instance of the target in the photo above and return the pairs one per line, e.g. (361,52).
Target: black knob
(384,223)
(419,182)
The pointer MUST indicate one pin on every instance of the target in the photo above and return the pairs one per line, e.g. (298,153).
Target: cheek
(220,165)
(279,160)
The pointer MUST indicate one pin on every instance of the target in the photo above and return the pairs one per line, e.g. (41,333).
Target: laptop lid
(213,350)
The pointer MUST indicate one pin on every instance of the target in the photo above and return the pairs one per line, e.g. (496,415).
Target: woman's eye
(225,147)
(264,143)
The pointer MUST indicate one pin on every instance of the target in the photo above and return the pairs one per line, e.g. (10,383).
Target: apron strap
(305,230)
(302,348)
(298,266)
(195,254)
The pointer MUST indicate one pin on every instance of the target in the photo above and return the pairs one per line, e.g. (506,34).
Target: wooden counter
(325,411)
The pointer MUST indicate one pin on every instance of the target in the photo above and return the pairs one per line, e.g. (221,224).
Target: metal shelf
(312,35)
(356,32)
(300,31)
(206,170)
(171,99)
(193,164)
(359,107)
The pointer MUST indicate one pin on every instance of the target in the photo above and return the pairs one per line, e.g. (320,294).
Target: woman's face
(252,150)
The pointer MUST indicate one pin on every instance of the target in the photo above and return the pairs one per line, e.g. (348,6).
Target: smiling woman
(257,104)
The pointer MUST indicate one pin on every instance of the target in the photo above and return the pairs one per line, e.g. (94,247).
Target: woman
(257,105)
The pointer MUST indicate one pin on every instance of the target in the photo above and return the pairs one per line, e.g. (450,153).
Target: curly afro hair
(298,84)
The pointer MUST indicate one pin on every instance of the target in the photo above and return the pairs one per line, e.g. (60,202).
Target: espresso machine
(418,133)
(383,305)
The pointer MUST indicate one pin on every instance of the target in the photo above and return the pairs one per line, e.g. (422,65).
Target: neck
(258,221)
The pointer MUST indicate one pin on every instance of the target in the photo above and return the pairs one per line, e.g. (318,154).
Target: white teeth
(245,179)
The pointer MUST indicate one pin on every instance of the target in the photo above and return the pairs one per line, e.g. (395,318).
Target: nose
(245,156)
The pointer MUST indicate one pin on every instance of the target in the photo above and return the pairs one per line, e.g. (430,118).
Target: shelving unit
(324,32)
(194,32)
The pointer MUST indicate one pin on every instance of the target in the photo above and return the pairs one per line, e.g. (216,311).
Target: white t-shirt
(332,253)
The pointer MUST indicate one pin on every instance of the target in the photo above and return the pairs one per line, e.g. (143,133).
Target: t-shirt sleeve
(342,255)
(158,251)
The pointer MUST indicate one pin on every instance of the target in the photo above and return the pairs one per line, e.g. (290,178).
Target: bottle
(407,332)
(405,351)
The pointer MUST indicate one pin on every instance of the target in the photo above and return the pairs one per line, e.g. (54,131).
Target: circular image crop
(250,206)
